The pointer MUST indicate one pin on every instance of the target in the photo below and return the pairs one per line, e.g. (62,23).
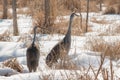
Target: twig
(102,61)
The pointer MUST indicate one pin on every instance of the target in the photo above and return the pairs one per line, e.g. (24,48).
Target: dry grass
(21,11)
(83,26)
(112,30)
(1,16)
(85,74)
(13,64)
(62,27)
(117,29)
(100,45)
(78,27)
(39,21)
(110,2)
(112,9)
(102,21)
(74,4)
(105,74)
(66,64)
(47,77)
(5,36)
(60,8)
(1,8)
(64,75)
(89,73)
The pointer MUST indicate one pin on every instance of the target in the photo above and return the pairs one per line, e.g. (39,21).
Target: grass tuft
(100,45)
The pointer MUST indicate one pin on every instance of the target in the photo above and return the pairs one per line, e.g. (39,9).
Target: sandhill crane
(33,55)
(61,49)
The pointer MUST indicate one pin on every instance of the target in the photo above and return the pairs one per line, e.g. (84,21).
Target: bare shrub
(39,21)
(72,4)
(100,45)
(66,64)
(93,7)
(112,30)
(57,8)
(38,12)
(102,21)
(77,29)
(62,26)
(1,8)
(110,2)
(5,36)
(13,64)
(113,9)
(117,29)
(22,11)
(105,74)
(35,6)
(47,77)
(22,3)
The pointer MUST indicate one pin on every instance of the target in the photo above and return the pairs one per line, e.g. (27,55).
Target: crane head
(74,14)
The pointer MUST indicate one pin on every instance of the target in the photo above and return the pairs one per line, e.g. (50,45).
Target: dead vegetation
(78,26)
(66,64)
(13,64)
(110,2)
(102,21)
(5,36)
(112,30)
(62,8)
(89,73)
(100,45)
(112,9)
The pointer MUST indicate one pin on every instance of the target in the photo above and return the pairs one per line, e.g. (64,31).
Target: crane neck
(70,24)
(34,36)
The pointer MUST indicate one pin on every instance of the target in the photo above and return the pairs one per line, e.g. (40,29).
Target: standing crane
(61,49)
(33,54)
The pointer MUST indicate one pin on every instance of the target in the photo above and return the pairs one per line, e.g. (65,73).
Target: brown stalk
(100,67)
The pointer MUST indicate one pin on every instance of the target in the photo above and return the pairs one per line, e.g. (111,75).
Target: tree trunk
(50,15)
(80,17)
(15,27)
(5,9)
(87,16)
(100,1)
(47,15)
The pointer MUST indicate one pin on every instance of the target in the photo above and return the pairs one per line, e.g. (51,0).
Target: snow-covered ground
(78,53)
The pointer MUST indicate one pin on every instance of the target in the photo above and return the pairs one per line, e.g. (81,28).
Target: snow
(78,53)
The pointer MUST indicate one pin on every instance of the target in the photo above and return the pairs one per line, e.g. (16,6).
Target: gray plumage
(61,49)
(33,55)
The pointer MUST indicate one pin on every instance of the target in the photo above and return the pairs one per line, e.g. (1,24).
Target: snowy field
(88,61)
